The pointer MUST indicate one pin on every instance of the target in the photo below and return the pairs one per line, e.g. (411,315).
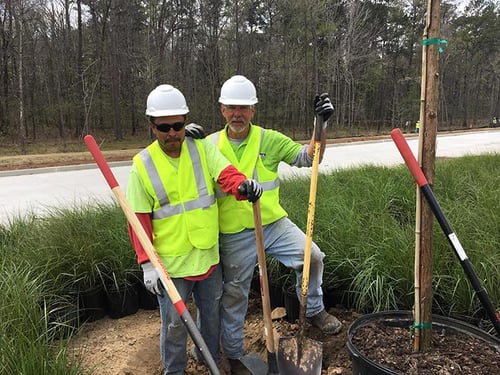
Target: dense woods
(72,67)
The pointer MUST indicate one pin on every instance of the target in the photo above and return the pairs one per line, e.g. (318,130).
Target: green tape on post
(430,41)
(423,325)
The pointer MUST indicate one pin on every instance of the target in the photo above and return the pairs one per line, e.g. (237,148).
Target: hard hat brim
(170,112)
(237,102)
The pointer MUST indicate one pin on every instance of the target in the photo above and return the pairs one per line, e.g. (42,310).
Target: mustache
(172,139)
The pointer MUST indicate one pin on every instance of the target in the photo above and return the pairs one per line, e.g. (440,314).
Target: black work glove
(250,189)
(194,131)
(323,107)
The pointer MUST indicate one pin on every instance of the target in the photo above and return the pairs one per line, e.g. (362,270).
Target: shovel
(302,355)
(272,366)
(252,361)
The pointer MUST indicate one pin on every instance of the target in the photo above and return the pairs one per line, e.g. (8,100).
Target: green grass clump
(27,346)
(45,261)
(86,244)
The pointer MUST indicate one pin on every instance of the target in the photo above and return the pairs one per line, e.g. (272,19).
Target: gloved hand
(194,131)
(250,189)
(323,107)
(151,278)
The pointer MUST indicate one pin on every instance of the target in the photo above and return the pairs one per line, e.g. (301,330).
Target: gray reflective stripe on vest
(215,138)
(266,186)
(166,209)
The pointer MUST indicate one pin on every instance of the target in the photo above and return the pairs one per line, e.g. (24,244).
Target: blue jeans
(283,240)
(173,334)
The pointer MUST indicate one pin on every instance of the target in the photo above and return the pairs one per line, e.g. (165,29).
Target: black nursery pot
(147,300)
(63,319)
(276,296)
(292,304)
(93,304)
(122,301)
(361,365)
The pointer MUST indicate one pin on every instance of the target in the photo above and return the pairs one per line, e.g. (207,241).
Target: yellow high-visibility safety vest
(235,216)
(185,213)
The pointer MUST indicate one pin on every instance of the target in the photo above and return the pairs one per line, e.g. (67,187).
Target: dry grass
(58,159)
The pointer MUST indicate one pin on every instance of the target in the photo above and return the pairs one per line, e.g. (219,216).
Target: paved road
(37,191)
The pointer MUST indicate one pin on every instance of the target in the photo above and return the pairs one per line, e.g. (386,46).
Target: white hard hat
(166,100)
(238,90)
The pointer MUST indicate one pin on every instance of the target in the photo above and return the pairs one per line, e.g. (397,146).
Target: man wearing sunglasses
(171,188)
(257,152)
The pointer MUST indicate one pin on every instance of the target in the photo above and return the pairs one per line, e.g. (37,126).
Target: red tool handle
(101,162)
(408,157)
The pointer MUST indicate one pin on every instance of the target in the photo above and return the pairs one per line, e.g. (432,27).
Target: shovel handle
(264,290)
(318,124)
(145,241)
(264,283)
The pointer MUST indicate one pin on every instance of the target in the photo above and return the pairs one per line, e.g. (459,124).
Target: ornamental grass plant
(26,342)
(45,261)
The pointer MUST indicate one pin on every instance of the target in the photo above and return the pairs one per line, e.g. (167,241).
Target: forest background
(73,67)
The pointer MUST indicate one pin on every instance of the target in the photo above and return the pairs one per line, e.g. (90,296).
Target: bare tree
(19,16)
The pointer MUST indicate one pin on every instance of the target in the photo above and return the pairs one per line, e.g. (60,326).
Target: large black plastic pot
(292,304)
(147,300)
(361,365)
(93,304)
(123,300)
(63,318)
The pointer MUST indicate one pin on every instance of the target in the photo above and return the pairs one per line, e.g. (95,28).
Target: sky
(461,4)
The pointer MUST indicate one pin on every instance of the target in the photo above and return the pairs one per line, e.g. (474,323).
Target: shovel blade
(295,359)
(254,364)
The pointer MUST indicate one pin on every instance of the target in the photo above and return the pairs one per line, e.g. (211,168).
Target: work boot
(238,368)
(325,322)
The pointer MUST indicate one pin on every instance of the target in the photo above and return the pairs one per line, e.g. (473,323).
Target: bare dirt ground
(14,162)
(130,345)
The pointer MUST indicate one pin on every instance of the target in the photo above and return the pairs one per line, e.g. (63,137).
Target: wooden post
(426,157)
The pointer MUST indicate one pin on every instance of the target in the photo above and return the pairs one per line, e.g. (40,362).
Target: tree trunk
(20,30)
(427,155)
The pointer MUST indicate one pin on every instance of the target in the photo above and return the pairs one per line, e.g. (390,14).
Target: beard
(237,126)
(171,144)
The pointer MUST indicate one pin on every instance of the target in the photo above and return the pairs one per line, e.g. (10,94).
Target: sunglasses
(165,128)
